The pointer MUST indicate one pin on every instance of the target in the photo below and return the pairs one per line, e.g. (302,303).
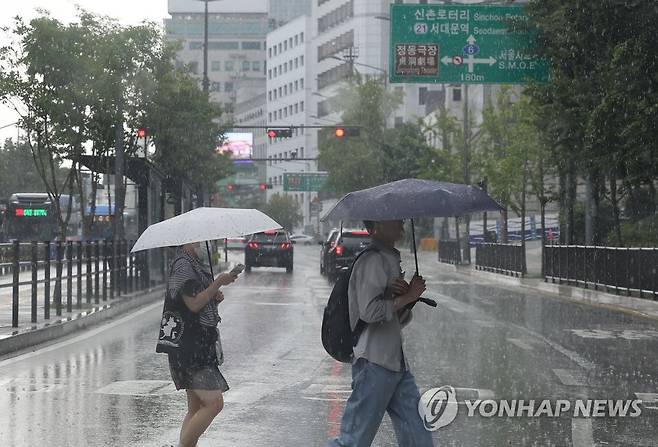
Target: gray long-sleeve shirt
(371,300)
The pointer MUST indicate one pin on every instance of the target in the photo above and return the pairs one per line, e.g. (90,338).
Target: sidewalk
(640,307)
(28,334)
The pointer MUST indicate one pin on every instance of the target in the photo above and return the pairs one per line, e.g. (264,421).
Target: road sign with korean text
(472,44)
(304,181)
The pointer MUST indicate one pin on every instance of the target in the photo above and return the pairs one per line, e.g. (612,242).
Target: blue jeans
(375,391)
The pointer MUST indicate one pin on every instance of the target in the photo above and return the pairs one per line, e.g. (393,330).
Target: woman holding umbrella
(189,328)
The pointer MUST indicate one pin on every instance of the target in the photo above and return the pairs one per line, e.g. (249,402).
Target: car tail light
(338,250)
(286,245)
(253,245)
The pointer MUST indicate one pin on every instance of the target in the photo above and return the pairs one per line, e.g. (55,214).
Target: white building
(289,69)
(281,12)
(236,42)
(359,31)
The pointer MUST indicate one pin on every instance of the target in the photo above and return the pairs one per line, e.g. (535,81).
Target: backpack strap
(360,325)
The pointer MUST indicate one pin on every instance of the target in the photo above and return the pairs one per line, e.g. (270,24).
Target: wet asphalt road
(107,387)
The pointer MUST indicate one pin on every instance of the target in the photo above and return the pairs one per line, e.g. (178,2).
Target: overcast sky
(126,11)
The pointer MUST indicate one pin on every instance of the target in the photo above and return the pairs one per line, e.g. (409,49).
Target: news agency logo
(438,407)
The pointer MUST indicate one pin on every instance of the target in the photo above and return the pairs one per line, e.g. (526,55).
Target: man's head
(388,231)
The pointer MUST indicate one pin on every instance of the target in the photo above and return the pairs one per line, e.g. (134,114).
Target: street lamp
(206,81)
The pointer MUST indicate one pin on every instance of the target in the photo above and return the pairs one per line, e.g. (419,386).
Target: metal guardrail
(449,252)
(620,269)
(110,270)
(508,259)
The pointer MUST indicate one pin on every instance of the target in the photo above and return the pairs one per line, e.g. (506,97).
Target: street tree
(183,125)
(284,210)
(599,102)
(18,172)
(359,162)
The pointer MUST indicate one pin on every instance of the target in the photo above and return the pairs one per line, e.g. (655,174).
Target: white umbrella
(204,224)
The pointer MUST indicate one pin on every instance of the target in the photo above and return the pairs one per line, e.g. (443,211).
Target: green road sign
(460,44)
(304,181)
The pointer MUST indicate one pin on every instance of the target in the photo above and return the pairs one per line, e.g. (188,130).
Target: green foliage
(442,160)
(641,233)
(284,210)
(184,126)
(379,154)
(510,138)
(599,106)
(75,84)
(17,171)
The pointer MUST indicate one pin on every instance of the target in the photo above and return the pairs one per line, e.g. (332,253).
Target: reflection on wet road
(107,387)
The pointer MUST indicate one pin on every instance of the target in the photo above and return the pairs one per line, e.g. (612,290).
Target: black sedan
(269,249)
(343,251)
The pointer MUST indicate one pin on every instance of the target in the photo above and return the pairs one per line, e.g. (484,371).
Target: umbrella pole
(413,241)
(210,260)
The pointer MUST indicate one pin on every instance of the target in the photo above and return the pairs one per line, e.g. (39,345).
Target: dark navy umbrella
(409,199)
(412,198)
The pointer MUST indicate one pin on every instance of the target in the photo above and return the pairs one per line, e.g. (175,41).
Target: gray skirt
(205,378)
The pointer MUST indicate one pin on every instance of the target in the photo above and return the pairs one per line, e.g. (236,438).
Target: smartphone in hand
(237,270)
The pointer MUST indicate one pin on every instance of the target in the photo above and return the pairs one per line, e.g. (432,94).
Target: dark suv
(342,252)
(269,249)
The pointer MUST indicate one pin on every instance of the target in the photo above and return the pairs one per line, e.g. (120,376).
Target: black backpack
(338,338)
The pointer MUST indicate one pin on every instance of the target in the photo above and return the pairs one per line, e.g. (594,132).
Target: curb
(44,332)
(56,329)
(638,307)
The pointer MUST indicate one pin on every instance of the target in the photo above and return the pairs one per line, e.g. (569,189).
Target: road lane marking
(582,433)
(520,343)
(335,405)
(447,301)
(649,400)
(626,334)
(570,377)
(319,388)
(138,388)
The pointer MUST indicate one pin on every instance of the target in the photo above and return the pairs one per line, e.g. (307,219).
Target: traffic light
(279,132)
(341,132)
(264,186)
(230,187)
(141,132)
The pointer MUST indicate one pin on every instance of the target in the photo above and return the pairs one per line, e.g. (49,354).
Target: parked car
(326,246)
(343,251)
(303,239)
(269,249)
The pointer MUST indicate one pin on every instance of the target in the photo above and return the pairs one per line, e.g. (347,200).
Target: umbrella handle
(428,301)
(210,260)
(413,241)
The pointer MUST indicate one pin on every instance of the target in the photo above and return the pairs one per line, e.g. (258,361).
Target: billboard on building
(240,145)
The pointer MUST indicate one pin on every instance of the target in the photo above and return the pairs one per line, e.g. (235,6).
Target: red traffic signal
(264,186)
(230,187)
(279,132)
(141,133)
(341,132)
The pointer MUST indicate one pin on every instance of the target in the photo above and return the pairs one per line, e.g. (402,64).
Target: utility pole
(466,160)
(351,54)
(206,81)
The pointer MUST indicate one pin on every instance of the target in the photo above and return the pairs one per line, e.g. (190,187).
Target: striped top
(189,277)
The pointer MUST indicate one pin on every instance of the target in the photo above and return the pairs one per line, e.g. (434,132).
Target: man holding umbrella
(381,381)
(380,302)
